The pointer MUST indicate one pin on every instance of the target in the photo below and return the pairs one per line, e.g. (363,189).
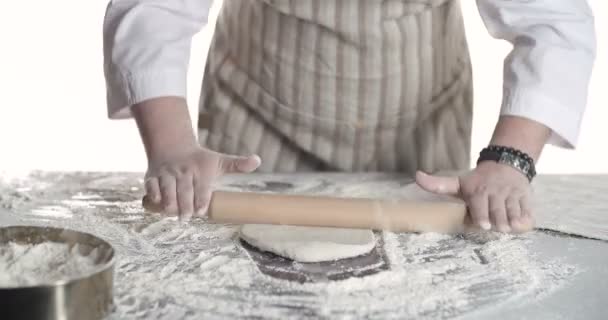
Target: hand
(498,197)
(181,183)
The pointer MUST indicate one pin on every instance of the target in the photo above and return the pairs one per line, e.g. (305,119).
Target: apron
(340,85)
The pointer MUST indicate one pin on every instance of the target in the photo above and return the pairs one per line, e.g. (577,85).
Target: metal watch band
(511,157)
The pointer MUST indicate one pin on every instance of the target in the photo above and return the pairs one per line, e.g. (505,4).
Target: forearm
(165,126)
(522,134)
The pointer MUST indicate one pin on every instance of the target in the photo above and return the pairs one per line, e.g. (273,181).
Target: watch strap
(511,157)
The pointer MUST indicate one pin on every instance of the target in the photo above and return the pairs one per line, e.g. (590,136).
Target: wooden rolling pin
(391,215)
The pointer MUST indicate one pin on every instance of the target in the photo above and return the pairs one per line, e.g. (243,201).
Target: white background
(52,94)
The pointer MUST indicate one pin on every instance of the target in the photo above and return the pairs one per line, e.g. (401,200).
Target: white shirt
(546,75)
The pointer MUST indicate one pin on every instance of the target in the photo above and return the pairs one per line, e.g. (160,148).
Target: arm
(546,75)
(147,49)
(165,128)
(146,55)
(522,134)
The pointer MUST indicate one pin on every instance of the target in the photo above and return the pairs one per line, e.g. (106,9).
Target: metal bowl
(86,296)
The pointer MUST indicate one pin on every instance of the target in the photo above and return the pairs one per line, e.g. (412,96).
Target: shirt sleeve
(147,49)
(546,75)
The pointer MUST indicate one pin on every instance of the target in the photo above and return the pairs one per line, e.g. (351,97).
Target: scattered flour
(44,263)
(166,269)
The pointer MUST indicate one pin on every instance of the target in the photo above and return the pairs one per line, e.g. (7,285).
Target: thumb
(235,164)
(439,185)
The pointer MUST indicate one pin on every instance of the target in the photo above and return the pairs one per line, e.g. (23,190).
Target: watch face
(514,161)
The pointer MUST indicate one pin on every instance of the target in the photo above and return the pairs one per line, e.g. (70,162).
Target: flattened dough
(309,244)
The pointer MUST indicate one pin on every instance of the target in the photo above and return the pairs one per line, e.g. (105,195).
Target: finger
(185,196)
(478,210)
(439,185)
(513,212)
(234,164)
(151,206)
(152,190)
(168,192)
(205,202)
(202,196)
(498,213)
(527,218)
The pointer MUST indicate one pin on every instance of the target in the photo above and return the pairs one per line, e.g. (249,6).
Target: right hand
(181,184)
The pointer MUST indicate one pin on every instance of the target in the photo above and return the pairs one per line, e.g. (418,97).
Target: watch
(511,157)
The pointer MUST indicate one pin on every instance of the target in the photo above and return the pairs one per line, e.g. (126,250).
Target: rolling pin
(321,211)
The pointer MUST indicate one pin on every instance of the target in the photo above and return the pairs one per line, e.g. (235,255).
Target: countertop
(170,270)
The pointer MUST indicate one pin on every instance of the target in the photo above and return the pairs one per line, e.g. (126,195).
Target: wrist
(510,157)
(162,153)
(522,134)
(165,127)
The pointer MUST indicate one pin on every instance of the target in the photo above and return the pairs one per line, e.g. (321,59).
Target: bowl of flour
(54,273)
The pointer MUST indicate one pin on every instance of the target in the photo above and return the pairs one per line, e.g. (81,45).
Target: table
(169,270)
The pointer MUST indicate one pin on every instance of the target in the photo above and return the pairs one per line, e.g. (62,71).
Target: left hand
(497,196)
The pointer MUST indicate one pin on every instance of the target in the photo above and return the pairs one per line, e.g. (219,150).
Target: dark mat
(283,268)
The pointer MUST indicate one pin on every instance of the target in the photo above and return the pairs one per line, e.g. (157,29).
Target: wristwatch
(511,157)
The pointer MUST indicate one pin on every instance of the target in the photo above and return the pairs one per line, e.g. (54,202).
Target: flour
(166,269)
(44,263)
(442,276)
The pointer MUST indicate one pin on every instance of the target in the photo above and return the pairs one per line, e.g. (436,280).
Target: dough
(309,244)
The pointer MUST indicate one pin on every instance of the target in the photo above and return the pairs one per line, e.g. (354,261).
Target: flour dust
(24,265)
(171,270)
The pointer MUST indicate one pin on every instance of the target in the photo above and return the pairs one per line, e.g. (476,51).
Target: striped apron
(341,85)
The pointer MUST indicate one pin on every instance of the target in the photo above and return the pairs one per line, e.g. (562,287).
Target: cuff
(564,122)
(123,91)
